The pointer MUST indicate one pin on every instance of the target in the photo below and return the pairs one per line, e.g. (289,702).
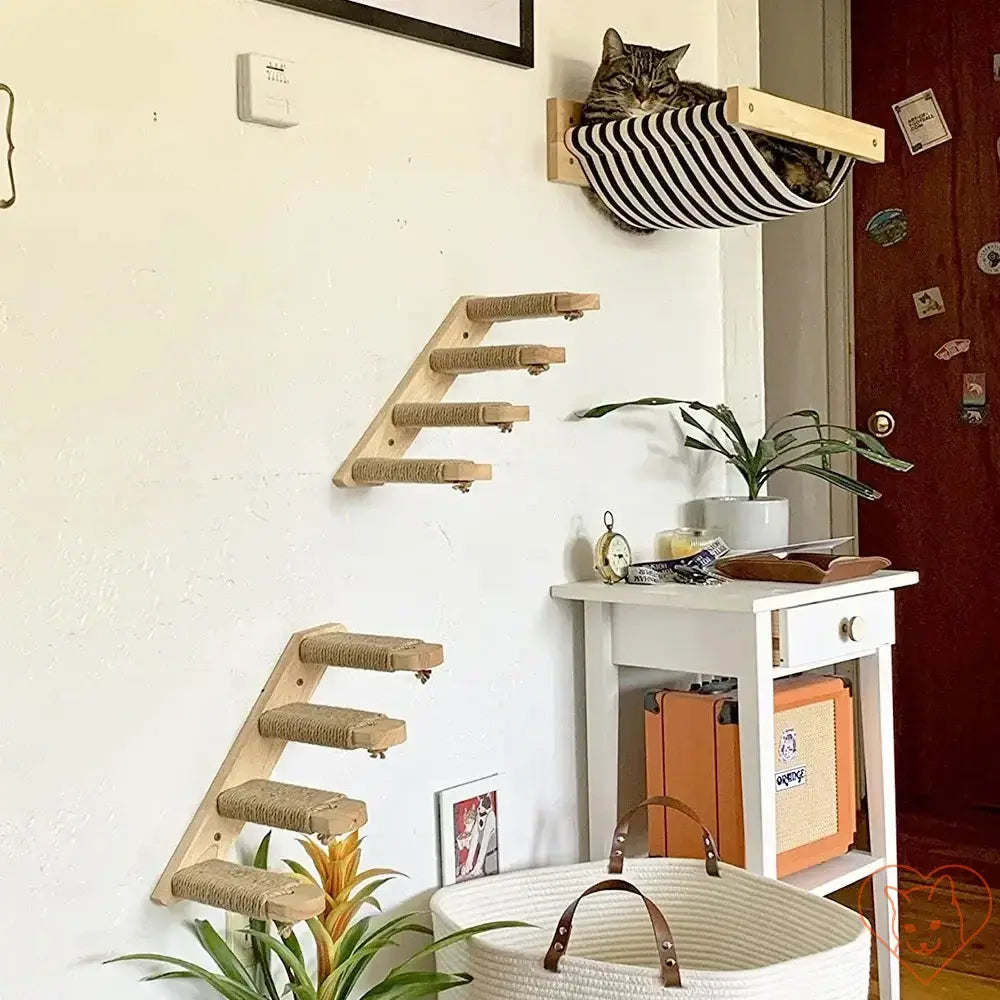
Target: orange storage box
(693,753)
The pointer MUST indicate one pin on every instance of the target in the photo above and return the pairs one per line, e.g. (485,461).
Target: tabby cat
(635,80)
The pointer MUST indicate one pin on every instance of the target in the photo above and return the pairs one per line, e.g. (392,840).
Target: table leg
(602,728)
(880,772)
(756,706)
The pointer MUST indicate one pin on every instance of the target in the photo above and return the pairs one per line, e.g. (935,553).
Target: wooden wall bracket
(240,791)
(455,349)
(749,109)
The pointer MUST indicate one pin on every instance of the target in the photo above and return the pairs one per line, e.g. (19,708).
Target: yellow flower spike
(318,858)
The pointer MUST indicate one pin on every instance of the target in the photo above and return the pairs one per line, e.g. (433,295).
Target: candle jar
(679,543)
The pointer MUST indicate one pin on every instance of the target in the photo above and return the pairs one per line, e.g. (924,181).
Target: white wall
(197,319)
(795,265)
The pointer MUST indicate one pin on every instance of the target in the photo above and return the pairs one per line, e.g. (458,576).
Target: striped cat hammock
(697,168)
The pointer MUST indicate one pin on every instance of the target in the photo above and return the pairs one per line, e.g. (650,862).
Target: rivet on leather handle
(617,861)
(670,972)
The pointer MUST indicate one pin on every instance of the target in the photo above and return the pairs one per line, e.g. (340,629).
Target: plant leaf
(305,873)
(223,956)
(226,988)
(411,985)
(840,480)
(289,958)
(167,975)
(462,935)
(606,408)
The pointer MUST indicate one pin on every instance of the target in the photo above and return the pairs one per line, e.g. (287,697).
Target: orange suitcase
(693,753)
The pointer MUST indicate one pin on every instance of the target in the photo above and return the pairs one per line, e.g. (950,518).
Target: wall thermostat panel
(265,90)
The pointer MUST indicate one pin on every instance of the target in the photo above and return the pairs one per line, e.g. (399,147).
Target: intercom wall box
(265,90)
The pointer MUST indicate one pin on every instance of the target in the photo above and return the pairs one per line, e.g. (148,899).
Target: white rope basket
(736,936)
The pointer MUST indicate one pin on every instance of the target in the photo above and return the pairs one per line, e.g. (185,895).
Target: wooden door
(943,518)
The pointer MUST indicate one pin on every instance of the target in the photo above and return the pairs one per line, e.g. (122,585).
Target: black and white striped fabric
(689,169)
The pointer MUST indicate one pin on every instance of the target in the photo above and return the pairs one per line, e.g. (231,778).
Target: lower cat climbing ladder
(455,349)
(241,792)
(696,168)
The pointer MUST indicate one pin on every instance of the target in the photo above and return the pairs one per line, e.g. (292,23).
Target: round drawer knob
(854,629)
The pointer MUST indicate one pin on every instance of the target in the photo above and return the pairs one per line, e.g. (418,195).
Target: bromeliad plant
(345,944)
(806,446)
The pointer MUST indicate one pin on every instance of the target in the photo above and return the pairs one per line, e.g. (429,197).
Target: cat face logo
(931,920)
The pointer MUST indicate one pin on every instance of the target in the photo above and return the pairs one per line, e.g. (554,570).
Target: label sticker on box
(922,121)
(795,778)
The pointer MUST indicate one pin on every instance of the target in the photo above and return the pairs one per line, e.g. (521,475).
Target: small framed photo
(469,821)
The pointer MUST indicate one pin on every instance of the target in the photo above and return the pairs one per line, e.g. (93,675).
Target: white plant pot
(747,525)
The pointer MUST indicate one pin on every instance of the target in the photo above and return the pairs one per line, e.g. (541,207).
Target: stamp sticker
(888,227)
(788,746)
(929,302)
(922,121)
(989,258)
(952,349)
(974,389)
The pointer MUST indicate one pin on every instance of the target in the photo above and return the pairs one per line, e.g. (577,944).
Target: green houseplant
(346,944)
(797,442)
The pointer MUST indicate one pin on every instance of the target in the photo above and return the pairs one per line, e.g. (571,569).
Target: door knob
(881,423)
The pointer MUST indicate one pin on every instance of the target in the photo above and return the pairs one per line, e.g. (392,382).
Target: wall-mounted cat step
(501,415)
(454,350)
(259,894)
(532,358)
(242,793)
(696,168)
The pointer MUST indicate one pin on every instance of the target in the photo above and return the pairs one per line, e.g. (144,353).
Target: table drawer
(832,631)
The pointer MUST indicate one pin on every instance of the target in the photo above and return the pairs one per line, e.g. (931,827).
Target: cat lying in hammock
(635,80)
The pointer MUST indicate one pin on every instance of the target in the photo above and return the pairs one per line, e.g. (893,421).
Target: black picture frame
(364,14)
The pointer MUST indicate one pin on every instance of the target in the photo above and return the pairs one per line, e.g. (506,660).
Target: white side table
(727,631)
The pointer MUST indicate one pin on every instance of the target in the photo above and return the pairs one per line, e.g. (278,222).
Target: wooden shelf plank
(756,111)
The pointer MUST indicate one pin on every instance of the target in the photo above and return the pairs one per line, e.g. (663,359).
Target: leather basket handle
(670,972)
(617,861)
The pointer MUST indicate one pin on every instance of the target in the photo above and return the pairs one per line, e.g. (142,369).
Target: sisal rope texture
(270,803)
(500,357)
(441,414)
(354,649)
(232,887)
(320,725)
(534,305)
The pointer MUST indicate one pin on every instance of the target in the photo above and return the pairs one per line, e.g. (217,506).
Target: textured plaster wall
(197,319)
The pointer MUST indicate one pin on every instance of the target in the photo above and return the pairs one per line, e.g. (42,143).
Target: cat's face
(634,79)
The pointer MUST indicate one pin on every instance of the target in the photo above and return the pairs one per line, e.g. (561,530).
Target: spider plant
(345,946)
(798,442)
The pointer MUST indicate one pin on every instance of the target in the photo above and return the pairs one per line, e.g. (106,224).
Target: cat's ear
(614,47)
(674,56)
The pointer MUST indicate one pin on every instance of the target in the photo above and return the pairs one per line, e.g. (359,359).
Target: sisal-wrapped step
(459,473)
(371,652)
(533,358)
(292,807)
(534,305)
(259,894)
(325,726)
(502,415)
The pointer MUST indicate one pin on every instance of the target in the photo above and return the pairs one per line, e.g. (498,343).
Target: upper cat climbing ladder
(696,168)
(454,350)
